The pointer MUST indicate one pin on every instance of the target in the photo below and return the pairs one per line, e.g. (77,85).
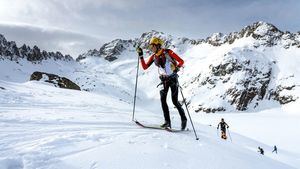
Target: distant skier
(223,126)
(274,149)
(168,64)
(261,150)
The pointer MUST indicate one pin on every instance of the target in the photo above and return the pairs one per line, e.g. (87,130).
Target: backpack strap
(166,53)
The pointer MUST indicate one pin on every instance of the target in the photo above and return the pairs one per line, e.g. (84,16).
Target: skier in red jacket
(168,64)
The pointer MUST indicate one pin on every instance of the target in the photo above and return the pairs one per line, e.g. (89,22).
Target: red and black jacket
(160,58)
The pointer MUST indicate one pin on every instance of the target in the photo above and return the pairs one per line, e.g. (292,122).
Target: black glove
(139,51)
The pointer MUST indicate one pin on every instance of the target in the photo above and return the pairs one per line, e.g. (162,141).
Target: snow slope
(76,129)
(47,127)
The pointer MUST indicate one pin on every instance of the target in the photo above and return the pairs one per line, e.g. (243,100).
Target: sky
(75,26)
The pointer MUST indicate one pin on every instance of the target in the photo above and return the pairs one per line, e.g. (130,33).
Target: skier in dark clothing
(168,64)
(261,151)
(275,149)
(223,126)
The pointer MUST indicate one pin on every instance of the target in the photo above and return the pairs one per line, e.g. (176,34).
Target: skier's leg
(174,91)
(224,135)
(164,105)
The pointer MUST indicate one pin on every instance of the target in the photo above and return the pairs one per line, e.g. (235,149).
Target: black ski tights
(173,84)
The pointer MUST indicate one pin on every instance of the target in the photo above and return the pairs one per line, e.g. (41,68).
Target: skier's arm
(227,125)
(176,57)
(144,64)
(149,62)
(218,126)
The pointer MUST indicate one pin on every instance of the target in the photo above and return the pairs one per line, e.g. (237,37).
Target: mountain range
(253,69)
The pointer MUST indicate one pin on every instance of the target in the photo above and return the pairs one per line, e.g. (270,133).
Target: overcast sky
(74,26)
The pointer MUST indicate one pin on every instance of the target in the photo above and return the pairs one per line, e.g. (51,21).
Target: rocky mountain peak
(2,39)
(143,41)
(260,29)
(216,39)
(9,50)
(113,48)
(151,34)
(108,51)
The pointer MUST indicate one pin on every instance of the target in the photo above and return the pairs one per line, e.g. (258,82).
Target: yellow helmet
(156,41)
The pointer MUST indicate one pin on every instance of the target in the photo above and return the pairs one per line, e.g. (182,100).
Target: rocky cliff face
(9,50)
(244,77)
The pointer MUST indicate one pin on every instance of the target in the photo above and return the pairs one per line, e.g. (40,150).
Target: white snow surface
(47,127)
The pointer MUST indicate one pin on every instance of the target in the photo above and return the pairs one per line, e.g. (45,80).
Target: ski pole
(135,90)
(229,135)
(188,112)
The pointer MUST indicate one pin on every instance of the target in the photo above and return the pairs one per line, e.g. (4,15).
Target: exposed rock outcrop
(58,81)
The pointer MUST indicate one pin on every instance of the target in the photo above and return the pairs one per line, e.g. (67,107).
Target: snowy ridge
(264,33)
(9,50)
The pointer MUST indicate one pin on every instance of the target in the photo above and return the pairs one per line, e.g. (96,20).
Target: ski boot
(166,125)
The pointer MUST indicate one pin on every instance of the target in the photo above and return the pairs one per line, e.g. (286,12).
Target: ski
(158,127)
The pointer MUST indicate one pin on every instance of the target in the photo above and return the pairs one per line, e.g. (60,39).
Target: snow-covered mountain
(252,69)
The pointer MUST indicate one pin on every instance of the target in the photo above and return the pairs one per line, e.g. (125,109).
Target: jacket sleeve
(176,57)
(149,62)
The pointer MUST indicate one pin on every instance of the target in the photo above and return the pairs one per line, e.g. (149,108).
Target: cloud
(50,39)
(111,19)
